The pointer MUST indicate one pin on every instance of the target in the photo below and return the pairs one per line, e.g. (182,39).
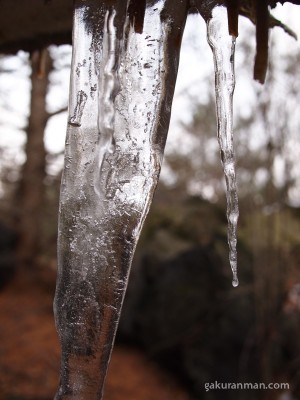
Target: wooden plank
(34,24)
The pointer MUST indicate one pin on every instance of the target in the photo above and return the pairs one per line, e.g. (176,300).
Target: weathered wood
(33,24)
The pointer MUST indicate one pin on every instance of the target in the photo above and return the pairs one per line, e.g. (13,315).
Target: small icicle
(223,47)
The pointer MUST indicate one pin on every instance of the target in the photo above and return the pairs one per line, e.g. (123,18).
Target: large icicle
(223,47)
(124,70)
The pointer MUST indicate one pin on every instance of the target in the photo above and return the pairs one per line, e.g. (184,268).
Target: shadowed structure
(36,24)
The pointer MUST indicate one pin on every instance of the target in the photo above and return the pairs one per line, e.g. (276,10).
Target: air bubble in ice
(75,120)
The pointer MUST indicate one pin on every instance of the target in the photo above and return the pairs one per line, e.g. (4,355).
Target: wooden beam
(33,24)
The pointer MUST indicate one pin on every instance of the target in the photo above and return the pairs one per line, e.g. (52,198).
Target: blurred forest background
(182,324)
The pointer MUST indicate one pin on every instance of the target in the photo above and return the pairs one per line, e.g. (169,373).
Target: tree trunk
(31,191)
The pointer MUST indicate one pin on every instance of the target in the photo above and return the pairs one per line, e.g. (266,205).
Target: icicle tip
(235,281)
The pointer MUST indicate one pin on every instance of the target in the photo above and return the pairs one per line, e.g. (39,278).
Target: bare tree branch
(57,112)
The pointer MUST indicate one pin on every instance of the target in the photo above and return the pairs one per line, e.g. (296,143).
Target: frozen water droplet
(235,281)
(223,48)
(75,120)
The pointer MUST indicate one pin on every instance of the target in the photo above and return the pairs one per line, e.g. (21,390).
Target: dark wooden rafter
(262,40)
(35,24)
(136,11)
(233,7)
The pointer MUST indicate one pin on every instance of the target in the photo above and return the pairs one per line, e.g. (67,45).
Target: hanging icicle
(124,69)
(223,48)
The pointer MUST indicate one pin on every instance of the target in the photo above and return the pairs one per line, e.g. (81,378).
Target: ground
(29,353)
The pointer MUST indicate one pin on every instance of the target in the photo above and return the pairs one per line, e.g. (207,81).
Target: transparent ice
(223,47)
(124,68)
